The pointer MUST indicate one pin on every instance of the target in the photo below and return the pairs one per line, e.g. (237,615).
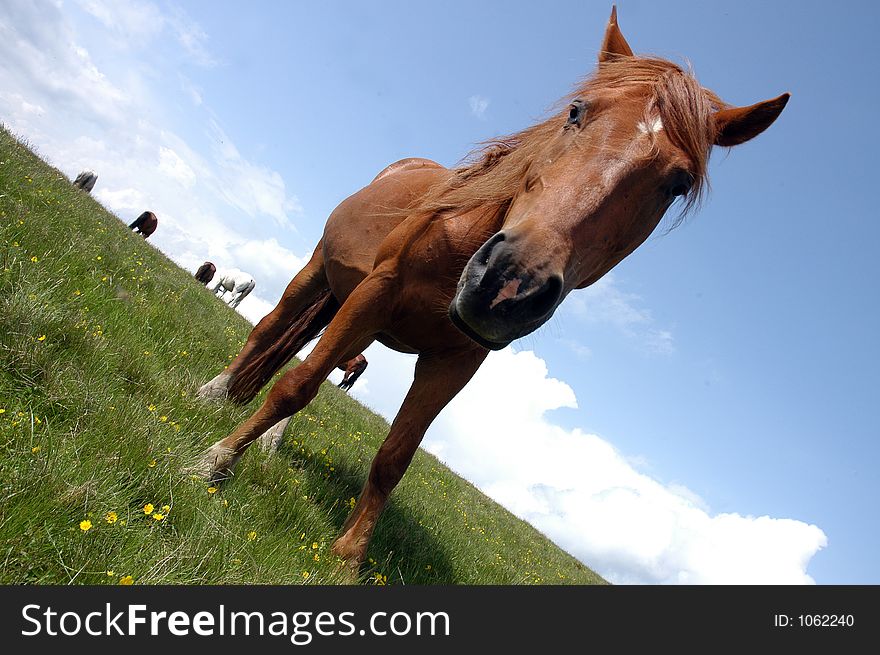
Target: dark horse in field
(205,273)
(145,224)
(86,181)
(353,369)
(453,263)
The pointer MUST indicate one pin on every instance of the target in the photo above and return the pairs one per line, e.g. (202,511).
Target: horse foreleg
(438,378)
(298,295)
(353,327)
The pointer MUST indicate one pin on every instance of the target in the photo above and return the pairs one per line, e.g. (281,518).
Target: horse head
(594,180)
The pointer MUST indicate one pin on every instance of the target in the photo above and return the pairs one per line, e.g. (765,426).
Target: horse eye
(681,184)
(576,111)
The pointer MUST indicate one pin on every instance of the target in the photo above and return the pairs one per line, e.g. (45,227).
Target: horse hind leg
(271,438)
(262,353)
(353,328)
(244,292)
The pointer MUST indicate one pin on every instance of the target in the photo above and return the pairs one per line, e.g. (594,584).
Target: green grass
(103,341)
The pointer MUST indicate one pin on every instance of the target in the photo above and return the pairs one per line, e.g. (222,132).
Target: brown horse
(145,224)
(353,369)
(453,263)
(205,273)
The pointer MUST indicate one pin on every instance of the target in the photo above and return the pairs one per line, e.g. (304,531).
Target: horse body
(86,181)
(205,273)
(238,283)
(353,369)
(145,224)
(453,263)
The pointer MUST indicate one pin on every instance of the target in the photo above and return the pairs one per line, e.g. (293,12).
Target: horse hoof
(216,464)
(214,389)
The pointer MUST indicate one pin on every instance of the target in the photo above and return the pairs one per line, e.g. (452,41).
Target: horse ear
(739,124)
(613,45)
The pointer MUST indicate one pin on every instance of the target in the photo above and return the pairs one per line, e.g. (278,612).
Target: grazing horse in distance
(86,181)
(353,369)
(145,224)
(206,273)
(453,263)
(238,283)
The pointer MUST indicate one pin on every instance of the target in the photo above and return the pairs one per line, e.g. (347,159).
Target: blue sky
(721,381)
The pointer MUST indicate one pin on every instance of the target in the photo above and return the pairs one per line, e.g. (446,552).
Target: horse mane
(491,175)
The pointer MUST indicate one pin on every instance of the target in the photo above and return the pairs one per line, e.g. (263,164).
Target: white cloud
(135,24)
(191,37)
(252,188)
(478,105)
(194,92)
(131,24)
(585,495)
(172,165)
(44,64)
(123,200)
(606,303)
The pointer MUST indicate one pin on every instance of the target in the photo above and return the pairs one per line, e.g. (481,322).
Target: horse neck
(471,229)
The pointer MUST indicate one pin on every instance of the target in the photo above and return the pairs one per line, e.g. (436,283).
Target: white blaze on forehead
(652,126)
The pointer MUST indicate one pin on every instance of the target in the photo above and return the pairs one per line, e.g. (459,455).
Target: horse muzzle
(498,299)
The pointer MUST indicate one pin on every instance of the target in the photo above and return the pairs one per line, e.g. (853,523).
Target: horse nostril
(485,252)
(545,298)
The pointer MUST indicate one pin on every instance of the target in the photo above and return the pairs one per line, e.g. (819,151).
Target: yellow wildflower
(151,408)
(110,574)
(34,259)
(251,535)
(111,517)
(158,516)
(148,508)
(126,580)
(212,490)
(166,508)
(152,463)
(314,544)
(41,337)
(36,449)
(305,575)
(85,526)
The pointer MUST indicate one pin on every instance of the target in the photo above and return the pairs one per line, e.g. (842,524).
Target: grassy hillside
(103,342)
